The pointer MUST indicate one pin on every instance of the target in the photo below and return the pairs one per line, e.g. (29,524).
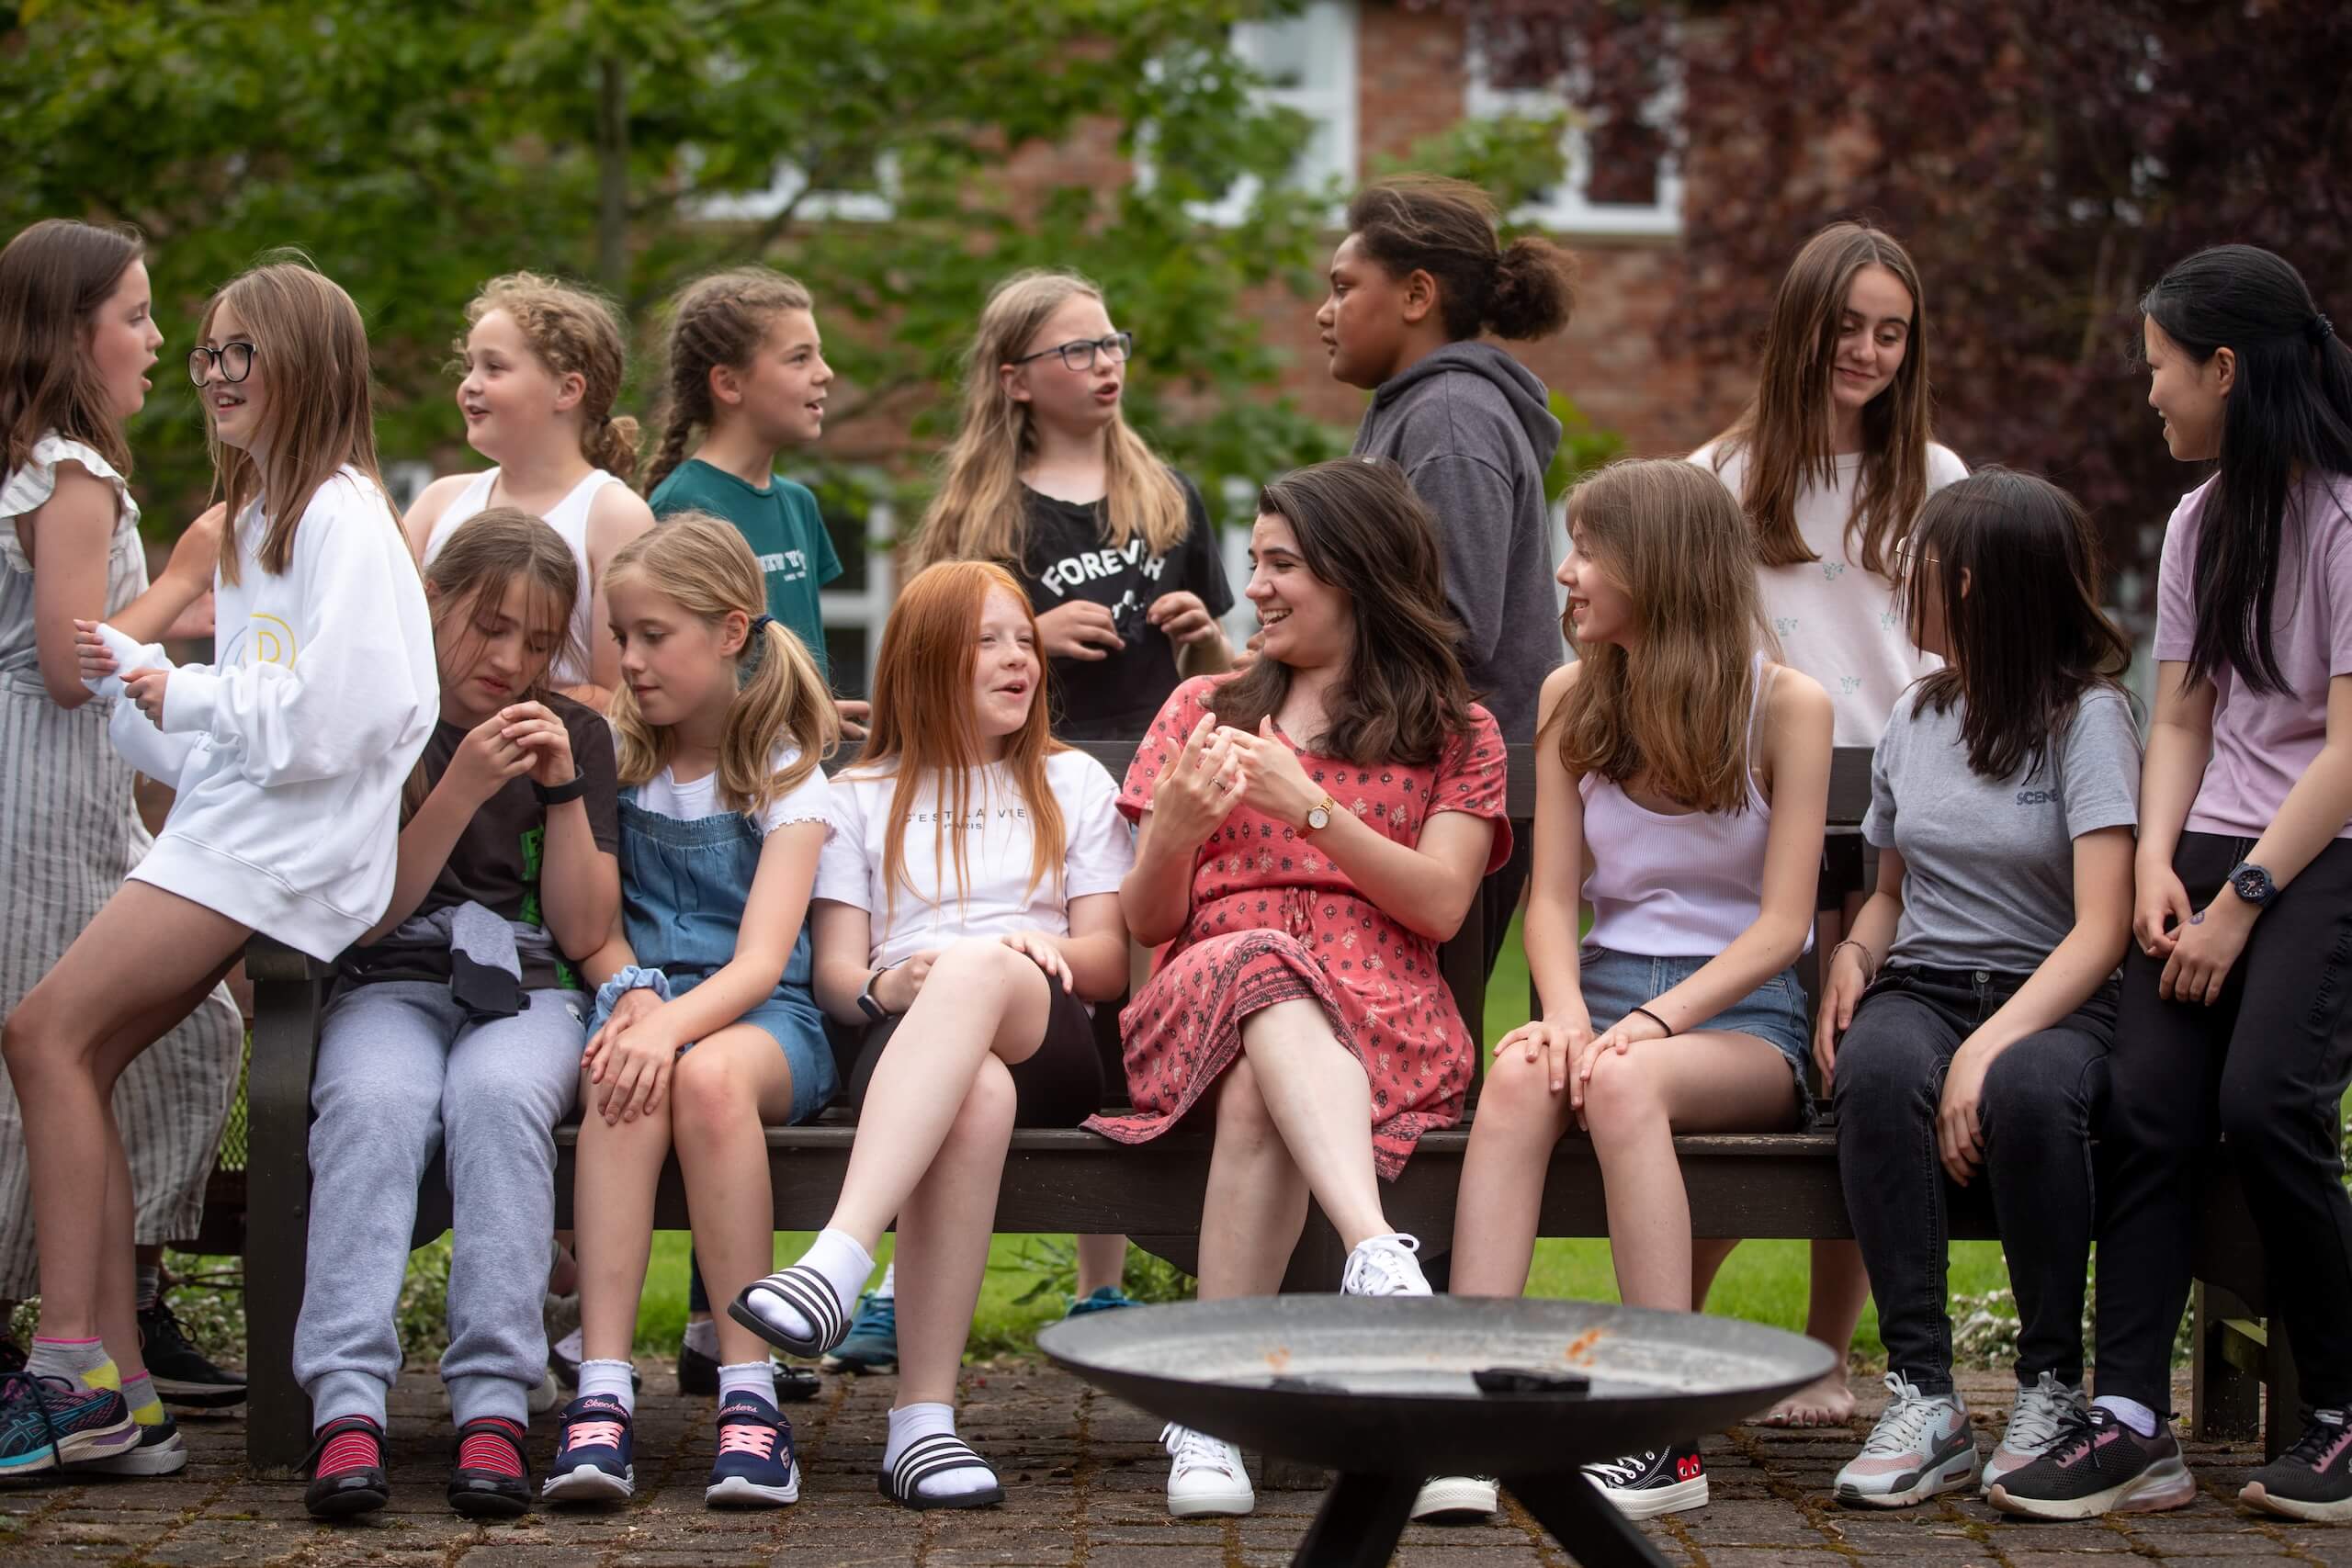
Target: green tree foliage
(416,147)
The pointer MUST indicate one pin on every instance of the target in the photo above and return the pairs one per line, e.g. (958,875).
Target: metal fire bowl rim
(1699,1373)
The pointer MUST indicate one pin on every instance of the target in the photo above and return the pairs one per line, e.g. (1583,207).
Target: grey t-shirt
(1989,863)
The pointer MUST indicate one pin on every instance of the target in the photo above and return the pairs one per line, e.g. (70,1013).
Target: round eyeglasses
(1081,355)
(234,361)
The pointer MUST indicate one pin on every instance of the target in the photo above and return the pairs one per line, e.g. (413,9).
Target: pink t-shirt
(2263,742)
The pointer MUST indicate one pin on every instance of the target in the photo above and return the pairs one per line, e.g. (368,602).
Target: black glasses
(1079,356)
(234,360)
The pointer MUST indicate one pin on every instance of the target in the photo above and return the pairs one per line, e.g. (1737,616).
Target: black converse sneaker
(2098,1464)
(2313,1479)
(1643,1485)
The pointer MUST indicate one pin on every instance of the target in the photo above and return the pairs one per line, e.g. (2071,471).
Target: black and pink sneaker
(346,1466)
(2096,1465)
(492,1480)
(2313,1479)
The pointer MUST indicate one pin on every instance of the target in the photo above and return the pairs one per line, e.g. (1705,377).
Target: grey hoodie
(1472,431)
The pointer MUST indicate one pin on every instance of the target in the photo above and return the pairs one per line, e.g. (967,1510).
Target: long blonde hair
(318,415)
(978,513)
(923,724)
(719,320)
(1785,429)
(1676,715)
(703,566)
(571,332)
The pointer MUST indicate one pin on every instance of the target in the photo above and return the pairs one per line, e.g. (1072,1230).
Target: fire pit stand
(1388,1391)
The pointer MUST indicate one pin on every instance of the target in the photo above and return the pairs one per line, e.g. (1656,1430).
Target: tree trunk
(612,172)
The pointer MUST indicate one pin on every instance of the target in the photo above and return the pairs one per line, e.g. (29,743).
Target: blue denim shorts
(1614,984)
(798,1029)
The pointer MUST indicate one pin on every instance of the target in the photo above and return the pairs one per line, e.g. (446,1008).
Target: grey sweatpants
(401,1070)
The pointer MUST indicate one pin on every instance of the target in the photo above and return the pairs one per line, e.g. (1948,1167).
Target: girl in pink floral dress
(1310,830)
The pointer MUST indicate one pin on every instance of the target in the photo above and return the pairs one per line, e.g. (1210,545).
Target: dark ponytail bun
(1446,228)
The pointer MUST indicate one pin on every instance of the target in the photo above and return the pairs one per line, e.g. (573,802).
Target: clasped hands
(1222,767)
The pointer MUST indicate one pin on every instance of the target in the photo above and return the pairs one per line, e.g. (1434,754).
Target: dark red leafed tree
(2044,160)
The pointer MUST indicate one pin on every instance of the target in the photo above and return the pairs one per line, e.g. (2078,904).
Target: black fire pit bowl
(1392,1389)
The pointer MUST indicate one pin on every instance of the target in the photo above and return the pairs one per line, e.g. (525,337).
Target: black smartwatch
(867,1002)
(556,794)
(2252,884)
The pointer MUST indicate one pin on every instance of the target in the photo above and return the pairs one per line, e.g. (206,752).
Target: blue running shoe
(873,1342)
(1103,1298)
(756,1467)
(46,1422)
(592,1455)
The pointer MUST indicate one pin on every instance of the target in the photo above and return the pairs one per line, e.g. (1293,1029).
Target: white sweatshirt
(291,748)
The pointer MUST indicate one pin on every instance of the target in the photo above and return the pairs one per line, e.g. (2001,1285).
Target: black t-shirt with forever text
(1069,558)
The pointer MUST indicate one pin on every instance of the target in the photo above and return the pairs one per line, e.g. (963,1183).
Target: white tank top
(1675,885)
(568,517)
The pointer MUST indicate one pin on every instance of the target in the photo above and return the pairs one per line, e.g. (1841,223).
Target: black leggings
(1059,1085)
(2265,1068)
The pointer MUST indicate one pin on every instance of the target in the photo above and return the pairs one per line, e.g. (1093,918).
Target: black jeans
(2266,1067)
(1499,894)
(2041,1097)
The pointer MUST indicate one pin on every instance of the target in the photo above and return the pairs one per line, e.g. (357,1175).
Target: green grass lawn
(1765,1280)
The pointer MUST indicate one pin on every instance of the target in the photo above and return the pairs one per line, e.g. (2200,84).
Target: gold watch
(1319,815)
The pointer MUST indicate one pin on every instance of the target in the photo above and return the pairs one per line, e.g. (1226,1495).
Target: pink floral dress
(1272,920)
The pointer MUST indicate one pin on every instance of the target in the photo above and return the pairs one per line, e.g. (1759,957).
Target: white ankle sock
(911,1422)
(748,1377)
(2130,1412)
(82,1362)
(610,1378)
(889,1289)
(702,1335)
(844,1264)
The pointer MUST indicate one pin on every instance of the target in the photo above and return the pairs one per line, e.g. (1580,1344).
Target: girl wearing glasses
(77,332)
(288,755)
(1113,547)
(1830,460)
(543,363)
(1976,993)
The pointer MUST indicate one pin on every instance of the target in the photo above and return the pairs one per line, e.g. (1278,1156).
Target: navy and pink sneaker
(49,1422)
(2313,1479)
(2098,1464)
(756,1467)
(592,1455)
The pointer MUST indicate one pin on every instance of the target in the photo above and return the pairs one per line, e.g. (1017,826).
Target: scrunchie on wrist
(633,977)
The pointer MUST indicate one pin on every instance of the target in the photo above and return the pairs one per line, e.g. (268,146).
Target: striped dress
(69,832)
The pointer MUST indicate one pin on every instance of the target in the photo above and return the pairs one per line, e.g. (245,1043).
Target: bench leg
(277,1219)
(2225,1398)
(2283,1410)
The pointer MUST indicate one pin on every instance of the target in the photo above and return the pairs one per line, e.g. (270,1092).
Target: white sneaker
(2034,1421)
(1207,1477)
(1920,1448)
(1383,1266)
(1456,1497)
(546,1397)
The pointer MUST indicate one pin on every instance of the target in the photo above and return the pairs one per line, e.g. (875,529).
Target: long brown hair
(318,415)
(498,547)
(703,566)
(923,724)
(1446,228)
(53,278)
(978,513)
(719,320)
(1676,715)
(1362,530)
(1786,430)
(571,332)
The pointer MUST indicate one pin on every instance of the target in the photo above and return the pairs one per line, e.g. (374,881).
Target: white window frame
(1571,210)
(791,180)
(869,608)
(1335,33)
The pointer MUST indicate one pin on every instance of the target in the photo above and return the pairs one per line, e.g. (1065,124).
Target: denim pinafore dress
(684,885)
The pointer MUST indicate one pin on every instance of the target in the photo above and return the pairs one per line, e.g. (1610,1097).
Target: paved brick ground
(1084,1474)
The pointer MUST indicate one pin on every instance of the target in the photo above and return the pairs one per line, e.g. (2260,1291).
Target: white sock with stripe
(912,1422)
(834,1256)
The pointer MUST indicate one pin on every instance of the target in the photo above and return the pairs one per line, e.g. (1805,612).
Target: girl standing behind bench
(1976,993)
(1681,784)
(456,1024)
(966,911)
(705,1030)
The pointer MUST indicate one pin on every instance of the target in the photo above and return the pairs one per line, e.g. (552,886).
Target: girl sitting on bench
(967,914)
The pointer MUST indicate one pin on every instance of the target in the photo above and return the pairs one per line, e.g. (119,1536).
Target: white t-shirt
(1099,849)
(691,802)
(1837,621)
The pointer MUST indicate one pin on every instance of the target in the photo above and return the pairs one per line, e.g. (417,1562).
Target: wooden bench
(1769,1186)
